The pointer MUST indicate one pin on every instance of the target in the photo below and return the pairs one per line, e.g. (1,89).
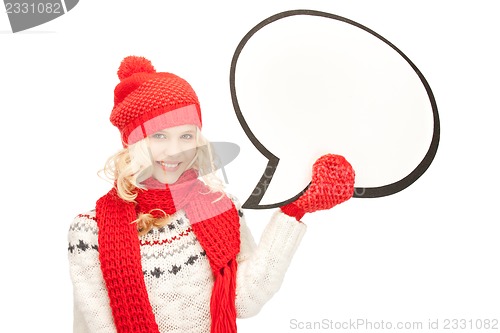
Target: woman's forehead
(179,129)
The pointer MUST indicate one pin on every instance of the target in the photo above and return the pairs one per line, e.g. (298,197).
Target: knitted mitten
(332,183)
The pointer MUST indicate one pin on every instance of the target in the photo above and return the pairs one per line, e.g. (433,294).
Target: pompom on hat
(146,101)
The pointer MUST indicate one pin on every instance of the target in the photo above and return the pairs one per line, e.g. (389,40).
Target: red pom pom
(133,64)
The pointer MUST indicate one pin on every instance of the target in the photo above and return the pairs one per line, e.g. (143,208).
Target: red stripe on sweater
(87,216)
(169,241)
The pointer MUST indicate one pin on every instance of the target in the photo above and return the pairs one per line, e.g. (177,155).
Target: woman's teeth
(169,165)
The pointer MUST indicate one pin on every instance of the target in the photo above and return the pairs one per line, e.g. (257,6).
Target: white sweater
(177,273)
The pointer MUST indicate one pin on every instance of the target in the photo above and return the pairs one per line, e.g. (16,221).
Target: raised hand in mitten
(332,183)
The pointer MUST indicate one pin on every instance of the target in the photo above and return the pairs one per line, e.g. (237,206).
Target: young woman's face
(173,150)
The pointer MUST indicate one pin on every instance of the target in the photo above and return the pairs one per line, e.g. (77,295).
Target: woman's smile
(169,166)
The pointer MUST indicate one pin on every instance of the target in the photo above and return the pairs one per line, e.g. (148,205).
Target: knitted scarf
(215,224)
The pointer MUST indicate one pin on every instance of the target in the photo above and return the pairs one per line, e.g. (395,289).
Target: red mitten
(332,183)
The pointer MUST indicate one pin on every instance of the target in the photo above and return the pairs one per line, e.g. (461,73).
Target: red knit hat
(147,101)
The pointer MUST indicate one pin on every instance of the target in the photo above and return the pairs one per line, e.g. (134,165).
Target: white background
(428,252)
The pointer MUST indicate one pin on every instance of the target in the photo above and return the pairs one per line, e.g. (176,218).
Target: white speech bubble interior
(310,85)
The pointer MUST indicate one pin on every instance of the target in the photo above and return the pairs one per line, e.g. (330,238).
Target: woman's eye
(187,136)
(158,136)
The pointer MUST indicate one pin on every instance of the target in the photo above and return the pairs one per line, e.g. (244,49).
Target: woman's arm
(262,267)
(92,312)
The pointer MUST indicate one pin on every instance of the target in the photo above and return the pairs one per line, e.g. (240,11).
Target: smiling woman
(165,251)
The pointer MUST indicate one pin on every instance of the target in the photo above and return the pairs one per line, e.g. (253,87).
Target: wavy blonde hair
(132,165)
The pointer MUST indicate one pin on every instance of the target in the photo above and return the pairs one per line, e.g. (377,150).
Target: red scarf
(215,224)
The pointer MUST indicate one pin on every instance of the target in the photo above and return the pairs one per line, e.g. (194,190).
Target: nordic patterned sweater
(177,273)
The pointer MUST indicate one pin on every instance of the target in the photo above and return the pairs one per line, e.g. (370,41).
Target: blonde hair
(133,164)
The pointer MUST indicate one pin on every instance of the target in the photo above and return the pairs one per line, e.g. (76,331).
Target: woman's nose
(172,148)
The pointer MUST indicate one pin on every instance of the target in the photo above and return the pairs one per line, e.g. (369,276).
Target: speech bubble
(306,83)
(27,14)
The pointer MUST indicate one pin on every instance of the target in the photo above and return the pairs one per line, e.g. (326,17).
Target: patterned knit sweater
(177,273)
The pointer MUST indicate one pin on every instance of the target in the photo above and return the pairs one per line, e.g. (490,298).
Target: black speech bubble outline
(254,199)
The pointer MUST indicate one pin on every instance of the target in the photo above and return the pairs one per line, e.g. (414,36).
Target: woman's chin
(167,177)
